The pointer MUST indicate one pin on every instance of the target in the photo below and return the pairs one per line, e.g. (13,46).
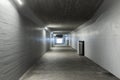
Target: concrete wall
(102,36)
(21,42)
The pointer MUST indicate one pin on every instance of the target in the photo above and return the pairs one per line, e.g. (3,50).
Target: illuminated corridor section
(63,39)
(59,41)
(62,63)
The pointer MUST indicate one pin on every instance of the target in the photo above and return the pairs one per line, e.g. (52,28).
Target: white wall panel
(102,36)
(20,43)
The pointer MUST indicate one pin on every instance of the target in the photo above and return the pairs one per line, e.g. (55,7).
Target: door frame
(82,53)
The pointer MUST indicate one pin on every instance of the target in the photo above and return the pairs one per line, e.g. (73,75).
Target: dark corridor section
(59,11)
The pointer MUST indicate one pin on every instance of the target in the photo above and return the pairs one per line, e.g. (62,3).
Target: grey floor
(62,63)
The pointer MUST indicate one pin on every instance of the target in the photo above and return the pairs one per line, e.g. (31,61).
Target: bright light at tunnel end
(20,2)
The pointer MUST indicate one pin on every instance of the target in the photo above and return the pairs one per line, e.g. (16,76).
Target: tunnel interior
(30,28)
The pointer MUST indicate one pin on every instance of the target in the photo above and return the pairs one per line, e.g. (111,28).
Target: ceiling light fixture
(46,28)
(20,2)
(54,25)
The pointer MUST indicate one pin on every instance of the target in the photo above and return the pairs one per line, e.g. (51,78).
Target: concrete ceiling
(63,26)
(63,14)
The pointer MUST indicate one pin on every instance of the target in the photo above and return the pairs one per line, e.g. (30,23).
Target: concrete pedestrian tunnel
(59,39)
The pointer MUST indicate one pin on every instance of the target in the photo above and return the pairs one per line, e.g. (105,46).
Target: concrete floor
(62,63)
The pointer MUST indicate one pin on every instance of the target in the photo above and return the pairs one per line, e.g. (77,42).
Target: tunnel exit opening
(59,41)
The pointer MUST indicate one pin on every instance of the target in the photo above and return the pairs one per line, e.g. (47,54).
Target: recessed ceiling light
(20,2)
(53,25)
(46,28)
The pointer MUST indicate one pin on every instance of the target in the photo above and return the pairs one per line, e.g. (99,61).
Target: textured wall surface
(102,36)
(21,43)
